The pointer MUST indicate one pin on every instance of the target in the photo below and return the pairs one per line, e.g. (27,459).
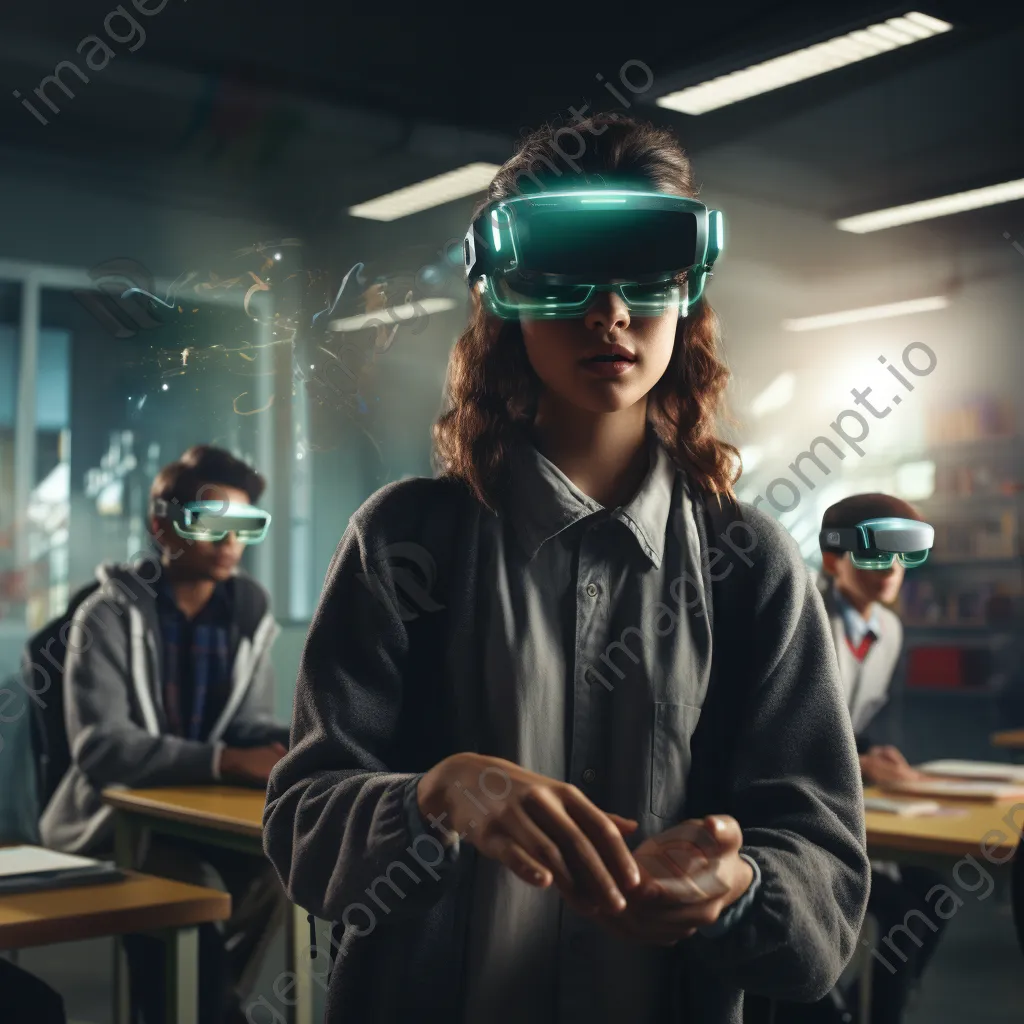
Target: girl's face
(605,361)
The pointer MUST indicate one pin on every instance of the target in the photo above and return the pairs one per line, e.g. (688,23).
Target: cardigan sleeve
(796,792)
(337,824)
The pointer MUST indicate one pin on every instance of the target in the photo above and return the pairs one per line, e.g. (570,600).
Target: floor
(976,975)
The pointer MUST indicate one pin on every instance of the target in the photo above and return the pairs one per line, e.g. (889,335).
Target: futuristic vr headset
(214,520)
(875,543)
(546,255)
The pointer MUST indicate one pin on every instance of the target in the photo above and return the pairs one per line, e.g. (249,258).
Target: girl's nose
(607,311)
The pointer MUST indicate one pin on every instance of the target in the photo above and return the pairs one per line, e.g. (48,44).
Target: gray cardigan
(385,692)
(113,705)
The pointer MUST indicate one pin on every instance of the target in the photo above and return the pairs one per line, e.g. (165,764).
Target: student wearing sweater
(869,639)
(508,694)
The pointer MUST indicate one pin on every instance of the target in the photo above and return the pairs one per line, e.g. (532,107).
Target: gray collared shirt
(596,667)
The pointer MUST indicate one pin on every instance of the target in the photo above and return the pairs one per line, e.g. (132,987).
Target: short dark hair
(858,507)
(182,480)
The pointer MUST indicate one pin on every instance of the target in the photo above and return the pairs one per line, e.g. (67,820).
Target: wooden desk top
(1013,738)
(138,903)
(229,808)
(240,810)
(954,837)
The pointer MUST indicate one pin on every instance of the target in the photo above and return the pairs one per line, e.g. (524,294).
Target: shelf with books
(974,420)
(1003,562)
(938,602)
(962,628)
(952,664)
(946,505)
(984,690)
(1001,445)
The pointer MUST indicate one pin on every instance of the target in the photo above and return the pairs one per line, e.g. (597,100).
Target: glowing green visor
(214,520)
(548,255)
(876,543)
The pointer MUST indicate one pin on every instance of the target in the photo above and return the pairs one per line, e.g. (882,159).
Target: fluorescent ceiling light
(802,64)
(392,315)
(436,191)
(776,396)
(856,316)
(929,209)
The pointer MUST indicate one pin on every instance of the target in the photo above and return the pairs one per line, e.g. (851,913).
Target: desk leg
(183,976)
(869,934)
(297,944)
(122,991)
(125,844)
(126,841)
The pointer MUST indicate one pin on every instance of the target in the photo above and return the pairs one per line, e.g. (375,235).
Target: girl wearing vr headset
(583,755)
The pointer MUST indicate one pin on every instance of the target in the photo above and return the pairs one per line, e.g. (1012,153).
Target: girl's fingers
(591,880)
(531,837)
(627,826)
(615,858)
(505,849)
(725,832)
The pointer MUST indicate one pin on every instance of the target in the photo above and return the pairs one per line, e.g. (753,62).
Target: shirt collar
(217,609)
(543,501)
(854,623)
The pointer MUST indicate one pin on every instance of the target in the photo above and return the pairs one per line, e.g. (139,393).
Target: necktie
(861,650)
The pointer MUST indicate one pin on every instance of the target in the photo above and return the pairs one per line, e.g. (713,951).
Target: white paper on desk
(904,808)
(992,771)
(36,860)
(959,789)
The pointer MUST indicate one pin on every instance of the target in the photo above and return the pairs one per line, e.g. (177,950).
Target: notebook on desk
(904,808)
(982,771)
(958,789)
(31,868)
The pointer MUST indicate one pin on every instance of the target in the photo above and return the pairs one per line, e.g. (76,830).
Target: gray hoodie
(113,702)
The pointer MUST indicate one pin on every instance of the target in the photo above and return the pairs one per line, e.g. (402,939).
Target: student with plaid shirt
(168,681)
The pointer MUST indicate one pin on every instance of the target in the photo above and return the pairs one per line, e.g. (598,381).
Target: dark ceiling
(483,66)
(928,119)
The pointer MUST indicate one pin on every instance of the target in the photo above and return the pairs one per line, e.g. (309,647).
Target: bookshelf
(961,610)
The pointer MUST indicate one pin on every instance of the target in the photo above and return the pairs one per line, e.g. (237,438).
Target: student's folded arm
(797,796)
(337,825)
(106,743)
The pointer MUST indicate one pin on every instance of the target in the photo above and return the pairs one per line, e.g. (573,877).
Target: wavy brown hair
(492,390)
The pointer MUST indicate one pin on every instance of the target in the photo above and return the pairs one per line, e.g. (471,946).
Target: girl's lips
(608,367)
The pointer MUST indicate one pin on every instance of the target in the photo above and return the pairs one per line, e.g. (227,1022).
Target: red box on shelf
(936,668)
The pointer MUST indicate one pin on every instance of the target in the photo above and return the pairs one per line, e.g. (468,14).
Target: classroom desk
(1011,739)
(939,842)
(926,839)
(139,903)
(227,816)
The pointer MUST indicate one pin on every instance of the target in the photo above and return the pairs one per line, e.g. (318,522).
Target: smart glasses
(547,255)
(877,543)
(214,520)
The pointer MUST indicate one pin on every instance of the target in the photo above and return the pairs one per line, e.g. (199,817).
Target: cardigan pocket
(674,725)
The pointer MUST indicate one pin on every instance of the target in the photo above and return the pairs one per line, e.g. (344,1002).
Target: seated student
(168,681)
(869,638)
(24,999)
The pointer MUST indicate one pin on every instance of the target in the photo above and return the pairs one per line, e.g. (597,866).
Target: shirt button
(589,775)
(592,589)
